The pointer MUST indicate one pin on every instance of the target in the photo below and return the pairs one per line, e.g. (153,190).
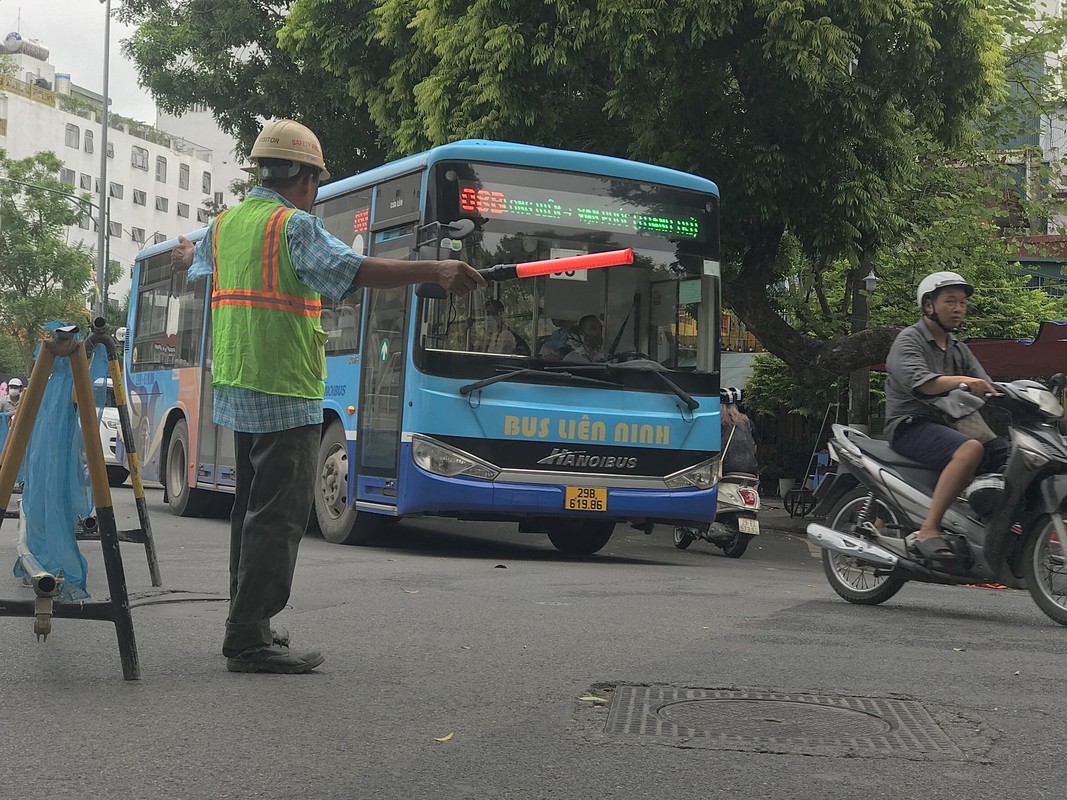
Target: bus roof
(495,152)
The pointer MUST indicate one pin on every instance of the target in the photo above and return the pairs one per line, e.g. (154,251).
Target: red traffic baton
(531,269)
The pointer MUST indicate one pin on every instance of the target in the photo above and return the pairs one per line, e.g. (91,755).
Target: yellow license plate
(585,498)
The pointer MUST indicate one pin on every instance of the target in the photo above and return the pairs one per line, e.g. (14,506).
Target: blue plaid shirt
(323,263)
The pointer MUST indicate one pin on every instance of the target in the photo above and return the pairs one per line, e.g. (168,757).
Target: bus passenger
(269,364)
(591,334)
(496,336)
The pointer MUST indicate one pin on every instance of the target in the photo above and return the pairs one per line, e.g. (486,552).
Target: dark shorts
(934,444)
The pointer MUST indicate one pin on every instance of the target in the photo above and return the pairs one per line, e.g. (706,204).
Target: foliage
(226,55)
(820,120)
(42,277)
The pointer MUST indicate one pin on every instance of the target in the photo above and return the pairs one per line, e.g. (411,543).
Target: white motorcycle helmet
(730,395)
(940,280)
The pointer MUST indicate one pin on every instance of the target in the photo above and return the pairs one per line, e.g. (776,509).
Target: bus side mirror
(431,291)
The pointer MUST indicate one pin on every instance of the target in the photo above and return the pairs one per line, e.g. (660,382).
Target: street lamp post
(859,381)
(102,228)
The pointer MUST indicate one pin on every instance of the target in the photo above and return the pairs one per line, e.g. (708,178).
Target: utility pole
(102,228)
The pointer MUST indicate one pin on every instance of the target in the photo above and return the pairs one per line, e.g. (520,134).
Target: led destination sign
(522,203)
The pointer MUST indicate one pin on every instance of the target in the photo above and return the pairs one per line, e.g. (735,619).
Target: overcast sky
(73,31)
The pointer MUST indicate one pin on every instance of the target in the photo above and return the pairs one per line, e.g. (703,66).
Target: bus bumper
(425,493)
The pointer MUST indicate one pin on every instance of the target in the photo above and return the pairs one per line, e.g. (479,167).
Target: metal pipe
(44,583)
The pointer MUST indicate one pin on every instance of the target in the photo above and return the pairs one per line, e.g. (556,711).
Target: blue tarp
(57,492)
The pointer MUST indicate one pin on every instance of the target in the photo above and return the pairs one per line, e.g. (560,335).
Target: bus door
(381,390)
(216,461)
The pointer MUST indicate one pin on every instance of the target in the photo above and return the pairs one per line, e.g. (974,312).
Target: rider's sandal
(935,548)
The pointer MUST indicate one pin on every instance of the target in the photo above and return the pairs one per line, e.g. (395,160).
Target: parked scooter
(1007,527)
(735,522)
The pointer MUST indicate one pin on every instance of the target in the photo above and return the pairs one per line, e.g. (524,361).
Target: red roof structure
(1044,355)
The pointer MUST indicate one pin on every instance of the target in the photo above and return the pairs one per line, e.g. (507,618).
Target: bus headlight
(702,476)
(440,459)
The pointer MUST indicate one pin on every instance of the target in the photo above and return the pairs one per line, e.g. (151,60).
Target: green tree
(42,277)
(226,55)
(814,116)
(807,114)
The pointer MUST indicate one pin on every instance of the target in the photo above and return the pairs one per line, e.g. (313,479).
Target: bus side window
(340,321)
(189,299)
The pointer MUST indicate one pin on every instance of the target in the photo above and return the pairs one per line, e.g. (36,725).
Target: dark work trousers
(275,493)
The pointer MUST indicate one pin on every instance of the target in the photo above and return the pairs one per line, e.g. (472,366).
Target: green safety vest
(266,323)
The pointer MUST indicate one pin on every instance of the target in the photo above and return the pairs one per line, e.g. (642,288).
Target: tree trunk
(812,360)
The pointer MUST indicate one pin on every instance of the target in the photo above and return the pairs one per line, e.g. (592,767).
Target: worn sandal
(935,548)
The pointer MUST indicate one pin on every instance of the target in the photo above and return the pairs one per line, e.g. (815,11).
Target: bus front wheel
(181,499)
(338,520)
(579,537)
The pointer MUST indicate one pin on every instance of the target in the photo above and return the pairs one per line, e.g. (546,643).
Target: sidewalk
(773,517)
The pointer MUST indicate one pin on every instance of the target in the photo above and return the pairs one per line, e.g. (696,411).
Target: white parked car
(111,439)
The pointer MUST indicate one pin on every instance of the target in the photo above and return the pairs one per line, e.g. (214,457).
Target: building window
(86,182)
(183,176)
(159,238)
(73,137)
(162,204)
(67,176)
(138,235)
(84,222)
(183,209)
(161,169)
(88,141)
(202,215)
(114,229)
(110,149)
(115,190)
(205,184)
(139,159)
(219,198)
(140,198)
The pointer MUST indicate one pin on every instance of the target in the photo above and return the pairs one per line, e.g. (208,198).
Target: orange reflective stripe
(275,298)
(271,243)
(215,251)
(264,304)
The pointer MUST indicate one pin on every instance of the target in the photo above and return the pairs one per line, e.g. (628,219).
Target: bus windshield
(657,314)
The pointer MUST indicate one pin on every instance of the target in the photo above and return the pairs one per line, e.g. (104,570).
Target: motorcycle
(1005,528)
(735,524)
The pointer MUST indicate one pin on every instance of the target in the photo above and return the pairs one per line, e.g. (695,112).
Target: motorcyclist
(9,404)
(738,435)
(926,362)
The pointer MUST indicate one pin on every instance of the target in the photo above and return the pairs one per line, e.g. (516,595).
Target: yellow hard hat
(288,140)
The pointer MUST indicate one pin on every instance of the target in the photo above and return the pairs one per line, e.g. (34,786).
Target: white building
(159,184)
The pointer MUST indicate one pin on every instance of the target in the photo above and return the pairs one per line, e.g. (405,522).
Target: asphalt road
(492,637)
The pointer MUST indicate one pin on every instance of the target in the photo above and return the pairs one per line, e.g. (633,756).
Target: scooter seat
(880,451)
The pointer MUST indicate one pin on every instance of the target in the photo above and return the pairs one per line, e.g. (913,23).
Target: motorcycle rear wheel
(682,538)
(1045,570)
(854,580)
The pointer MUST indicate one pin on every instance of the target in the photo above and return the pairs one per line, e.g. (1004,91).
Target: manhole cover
(778,722)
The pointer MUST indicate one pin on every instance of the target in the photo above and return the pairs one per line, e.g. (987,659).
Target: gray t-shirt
(914,359)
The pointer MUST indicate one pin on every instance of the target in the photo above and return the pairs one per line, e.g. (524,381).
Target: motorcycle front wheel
(854,580)
(1045,571)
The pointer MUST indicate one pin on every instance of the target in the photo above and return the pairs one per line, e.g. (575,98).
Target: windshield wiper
(507,376)
(682,394)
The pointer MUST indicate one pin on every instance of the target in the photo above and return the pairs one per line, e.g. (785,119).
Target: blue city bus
(566,403)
